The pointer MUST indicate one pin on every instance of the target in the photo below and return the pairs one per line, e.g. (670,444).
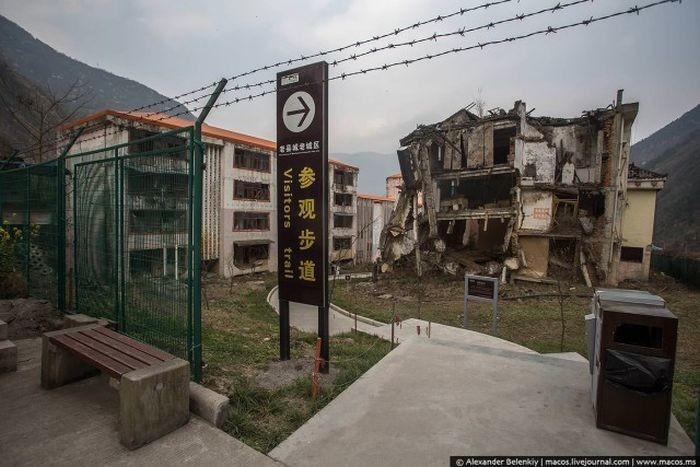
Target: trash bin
(634,358)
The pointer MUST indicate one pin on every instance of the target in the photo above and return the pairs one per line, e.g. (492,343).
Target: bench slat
(115,354)
(121,347)
(91,356)
(160,355)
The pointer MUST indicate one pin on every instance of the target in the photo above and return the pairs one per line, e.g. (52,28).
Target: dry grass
(535,323)
(241,343)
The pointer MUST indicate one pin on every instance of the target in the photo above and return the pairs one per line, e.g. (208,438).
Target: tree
(34,115)
(479,104)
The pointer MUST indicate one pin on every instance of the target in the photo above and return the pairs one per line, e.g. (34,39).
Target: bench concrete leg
(58,366)
(153,402)
(8,356)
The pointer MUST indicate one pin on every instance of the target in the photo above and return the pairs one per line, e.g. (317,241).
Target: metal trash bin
(634,359)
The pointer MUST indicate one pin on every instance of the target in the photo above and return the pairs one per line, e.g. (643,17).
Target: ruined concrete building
(511,194)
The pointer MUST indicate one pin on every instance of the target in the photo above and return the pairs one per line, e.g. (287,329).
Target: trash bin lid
(636,297)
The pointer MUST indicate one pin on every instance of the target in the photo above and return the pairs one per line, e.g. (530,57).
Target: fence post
(61,220)
(27,225)
(196,234)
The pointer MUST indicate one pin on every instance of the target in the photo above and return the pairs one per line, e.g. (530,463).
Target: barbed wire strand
(392,46)
(393,32)
(407,62)
(355,44)
(481,45)
(302,58)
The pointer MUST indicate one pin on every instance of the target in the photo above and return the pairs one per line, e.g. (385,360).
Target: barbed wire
(392,46)
(355,44)
(302,58)
(179,96)
(407,62)
(480,45)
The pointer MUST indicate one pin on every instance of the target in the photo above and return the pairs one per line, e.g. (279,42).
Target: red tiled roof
(342,164)
(175,123)
(375,197)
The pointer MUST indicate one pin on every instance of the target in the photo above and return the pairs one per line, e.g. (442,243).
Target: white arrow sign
(298,111)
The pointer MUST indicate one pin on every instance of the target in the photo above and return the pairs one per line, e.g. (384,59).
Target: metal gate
(135,262)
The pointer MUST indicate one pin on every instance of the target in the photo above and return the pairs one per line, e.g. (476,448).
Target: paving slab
(433,398)
(77,424)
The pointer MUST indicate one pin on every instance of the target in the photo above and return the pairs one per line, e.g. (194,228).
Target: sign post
(481,289)
(302,197)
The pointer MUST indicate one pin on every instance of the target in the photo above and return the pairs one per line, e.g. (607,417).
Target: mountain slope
(674,133)
(674,150)
(35,72)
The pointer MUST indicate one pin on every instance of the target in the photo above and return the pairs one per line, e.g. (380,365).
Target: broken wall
(536,210)
(536,161)
(536,253)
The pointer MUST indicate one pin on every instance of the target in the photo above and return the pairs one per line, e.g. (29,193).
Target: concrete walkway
(305,317)
(77,425)
(459,393)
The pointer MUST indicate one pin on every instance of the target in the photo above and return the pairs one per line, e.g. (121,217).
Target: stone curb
(209,405)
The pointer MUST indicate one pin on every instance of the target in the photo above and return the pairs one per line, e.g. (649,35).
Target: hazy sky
(174,46)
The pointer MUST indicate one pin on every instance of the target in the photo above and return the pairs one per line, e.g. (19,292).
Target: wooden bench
(153,385)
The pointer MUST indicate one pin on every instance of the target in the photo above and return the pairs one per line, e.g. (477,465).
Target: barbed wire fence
(461,32)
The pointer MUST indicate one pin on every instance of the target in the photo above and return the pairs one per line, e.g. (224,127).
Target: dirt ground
(282,373)
(29,317)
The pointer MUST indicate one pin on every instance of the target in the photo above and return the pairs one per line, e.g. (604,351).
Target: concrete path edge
(334,307)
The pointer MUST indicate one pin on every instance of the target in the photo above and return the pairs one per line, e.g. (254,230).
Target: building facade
(343,212)
(373,213)
(540,196)
(239,197)
(638,223)
(393,185)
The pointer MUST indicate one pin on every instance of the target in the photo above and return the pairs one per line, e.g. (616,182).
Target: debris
(492,268)
(512,263)
(557,262)
(542,280)
(512,192)
(586,225)
(386,296)
(584,270)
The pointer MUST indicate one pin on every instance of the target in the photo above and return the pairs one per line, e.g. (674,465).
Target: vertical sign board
(302,192)
(481,289)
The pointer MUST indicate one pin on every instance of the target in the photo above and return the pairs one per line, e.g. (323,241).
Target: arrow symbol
(304,110)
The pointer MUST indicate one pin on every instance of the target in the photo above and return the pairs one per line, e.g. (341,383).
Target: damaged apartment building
(509,194)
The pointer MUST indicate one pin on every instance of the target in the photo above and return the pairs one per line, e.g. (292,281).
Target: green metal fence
(114,233)
(686,270)
(30,228)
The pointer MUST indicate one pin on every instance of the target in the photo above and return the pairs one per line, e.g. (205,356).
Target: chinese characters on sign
(302,175)
(541,213)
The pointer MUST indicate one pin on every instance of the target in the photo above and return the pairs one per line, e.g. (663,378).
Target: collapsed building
(512,194)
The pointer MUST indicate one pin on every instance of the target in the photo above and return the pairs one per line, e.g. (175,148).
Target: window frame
(235,191)
(265,215)
(341,215)
(349,242)
(248,152)
(633,252)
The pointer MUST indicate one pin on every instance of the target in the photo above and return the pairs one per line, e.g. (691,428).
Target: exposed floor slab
(77,424)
